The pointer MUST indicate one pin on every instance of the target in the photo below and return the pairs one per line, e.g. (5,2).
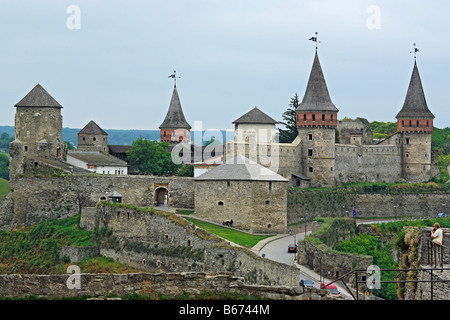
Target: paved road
(276,250)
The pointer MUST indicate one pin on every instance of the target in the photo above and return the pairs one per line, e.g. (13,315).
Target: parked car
(441,215)
(292,248)
(306,283)
(331,288)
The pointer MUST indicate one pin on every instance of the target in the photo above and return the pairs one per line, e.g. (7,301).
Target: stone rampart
(335,203)
(164,242)
(168,284)
(36,199)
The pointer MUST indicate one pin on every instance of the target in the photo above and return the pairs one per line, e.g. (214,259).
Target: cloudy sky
(109,61)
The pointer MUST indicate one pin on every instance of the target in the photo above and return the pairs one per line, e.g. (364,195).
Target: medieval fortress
(246,179)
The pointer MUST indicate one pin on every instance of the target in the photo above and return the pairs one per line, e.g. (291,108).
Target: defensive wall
(340,202)
(367,163)
(158,241)
(103,285)
(37,198)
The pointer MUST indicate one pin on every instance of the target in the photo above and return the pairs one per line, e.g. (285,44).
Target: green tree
(186,171)
(4,166)
(151,157)
(290,132)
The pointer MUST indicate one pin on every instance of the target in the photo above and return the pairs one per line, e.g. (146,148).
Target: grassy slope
(230,234)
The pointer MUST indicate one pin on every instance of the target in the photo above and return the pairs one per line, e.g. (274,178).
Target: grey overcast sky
(109,61)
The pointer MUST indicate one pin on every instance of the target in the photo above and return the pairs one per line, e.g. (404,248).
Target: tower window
(417,123)
(403,123)
(311,169)
(26,148)
(267,202)
(313,117)
(310,152)
(304,117)
(94,138)
(407,140)
(220,203)
(310,136)
(410,124)
(323,117)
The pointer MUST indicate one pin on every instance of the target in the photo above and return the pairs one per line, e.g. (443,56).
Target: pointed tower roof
(38,97)
(175,118)
(316,96)
(415,105)
(92,128)
(255,116)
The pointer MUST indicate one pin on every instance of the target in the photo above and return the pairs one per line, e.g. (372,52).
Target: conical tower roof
(93,128)
(415,105)
(38,97)
(175,118)
(316,96)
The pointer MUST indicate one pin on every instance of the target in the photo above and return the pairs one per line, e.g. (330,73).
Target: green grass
(35,249)
(4,188)
(233,235)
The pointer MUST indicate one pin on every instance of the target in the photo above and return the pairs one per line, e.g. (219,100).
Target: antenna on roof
(415,51)
(174,77)
(315,39)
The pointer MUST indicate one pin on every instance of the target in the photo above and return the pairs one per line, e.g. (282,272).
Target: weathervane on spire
(415,51)
(315,39)
(174,77)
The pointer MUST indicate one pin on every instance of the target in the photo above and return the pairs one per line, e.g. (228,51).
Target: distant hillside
(119,137)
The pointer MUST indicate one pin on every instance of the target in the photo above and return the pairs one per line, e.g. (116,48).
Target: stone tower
(175,128)
(93,138)
(414,127)
(38,131)
(316,123)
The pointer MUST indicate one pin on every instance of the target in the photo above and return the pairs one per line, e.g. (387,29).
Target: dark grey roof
(415,105)
(119,148)
(242,169)
(92,128)
(175,118)
(316,96)
(255,116)
(96,158)
(38,97)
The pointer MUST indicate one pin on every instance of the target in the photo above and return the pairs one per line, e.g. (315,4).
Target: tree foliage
(4,166)
(151,157)
(290,132)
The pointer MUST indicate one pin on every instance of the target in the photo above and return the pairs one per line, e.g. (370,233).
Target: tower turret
(316,124)
(175,128)
(415,126)
(38,130)
(93,138)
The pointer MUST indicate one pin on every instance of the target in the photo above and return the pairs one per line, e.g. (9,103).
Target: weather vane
(315,39)
(174,77)
(415,51)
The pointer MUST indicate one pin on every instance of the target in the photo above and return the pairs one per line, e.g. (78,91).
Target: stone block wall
(36,199)
(167,284)
(317,203)
(164,242)
(255,206)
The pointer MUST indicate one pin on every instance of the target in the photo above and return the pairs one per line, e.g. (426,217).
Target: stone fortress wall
(158,241)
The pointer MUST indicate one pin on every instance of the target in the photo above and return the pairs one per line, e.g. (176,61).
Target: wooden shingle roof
(175,118)
(255,116)
(415,105)
(317,97)
(38,97)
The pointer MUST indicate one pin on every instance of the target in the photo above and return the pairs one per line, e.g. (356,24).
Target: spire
(316,96)
(38,97)
(175,118)
(415,105)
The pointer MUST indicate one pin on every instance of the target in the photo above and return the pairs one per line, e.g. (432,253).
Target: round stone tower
(414,127)
(316,124)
